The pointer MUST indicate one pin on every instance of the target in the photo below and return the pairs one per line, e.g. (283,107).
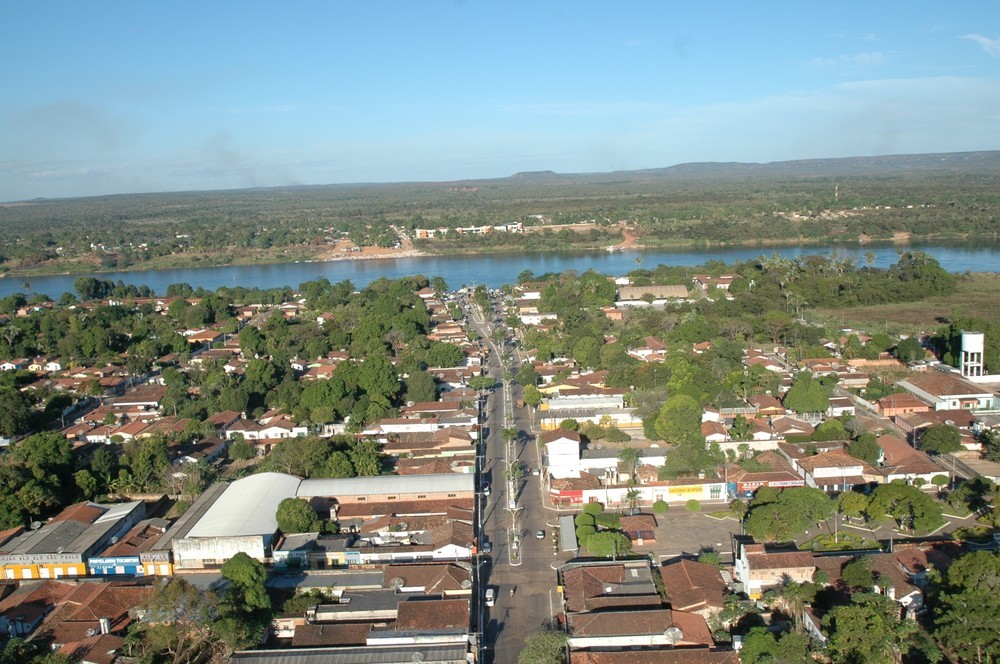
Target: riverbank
(494,270)
(632,248)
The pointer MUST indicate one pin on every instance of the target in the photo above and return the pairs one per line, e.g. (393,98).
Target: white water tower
(972,353)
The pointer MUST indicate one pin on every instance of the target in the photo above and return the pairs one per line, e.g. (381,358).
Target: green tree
(967,614)
(852,504)
(858,574)
(178,623)
(420,386)
(147,460)
(830,430)
(15,412)
(247,578)
(294,515)
(482,383)
(252,342)
(868,629)
(546,647)
(338,465)
(910,507)
(760,646)
(742,428)
(607,543)
(909,350)
(532,396)
(441,354)
(679,421)
(86,483)
(366,457)
(241,449)
(303,456)
(806,395)
(632,498)
(526,375)
(865,448)
(791,513)
(940,439)
(628,460)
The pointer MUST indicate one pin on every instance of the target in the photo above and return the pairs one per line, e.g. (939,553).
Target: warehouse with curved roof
(239,518)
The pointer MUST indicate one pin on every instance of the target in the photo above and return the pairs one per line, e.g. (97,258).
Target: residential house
(646,296)
(833,471)
(759,569)
(901,404)
(900,461)
(778,474)
(948,391)
(694,587)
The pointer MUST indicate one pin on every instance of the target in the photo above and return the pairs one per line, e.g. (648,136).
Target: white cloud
(575,109)
(279,108)
(871,59)
(991,46)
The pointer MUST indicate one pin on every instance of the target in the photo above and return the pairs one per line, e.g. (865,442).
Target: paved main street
(529,569)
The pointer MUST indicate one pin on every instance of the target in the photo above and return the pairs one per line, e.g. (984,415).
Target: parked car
(486,489)
(487,547)
(539,534)
(491,597)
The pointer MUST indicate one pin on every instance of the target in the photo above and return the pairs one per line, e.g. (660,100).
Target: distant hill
(984,161)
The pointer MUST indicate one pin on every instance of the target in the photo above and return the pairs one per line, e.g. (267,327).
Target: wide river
(496,270)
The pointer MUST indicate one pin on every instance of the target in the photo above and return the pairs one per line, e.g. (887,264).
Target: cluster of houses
(399,572)
(615,609)
(413,530)
(441,231)
(900,574)
(411,535)
(612,609)
(778,439)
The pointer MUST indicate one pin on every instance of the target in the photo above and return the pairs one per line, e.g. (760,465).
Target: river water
(496,270)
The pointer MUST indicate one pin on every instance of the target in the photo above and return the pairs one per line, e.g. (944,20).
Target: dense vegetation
(827,200)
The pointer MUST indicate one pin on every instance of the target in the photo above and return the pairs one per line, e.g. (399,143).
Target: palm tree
(632,499)
(794,596)
(629,458)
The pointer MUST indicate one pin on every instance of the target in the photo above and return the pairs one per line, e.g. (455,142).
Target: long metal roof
(398,654)
(247,507)
(387,484)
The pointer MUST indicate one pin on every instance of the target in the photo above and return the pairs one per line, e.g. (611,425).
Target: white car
(539,534)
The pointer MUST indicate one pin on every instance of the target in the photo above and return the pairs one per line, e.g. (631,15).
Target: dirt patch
(975,295)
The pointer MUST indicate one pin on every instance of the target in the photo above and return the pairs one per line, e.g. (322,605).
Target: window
(361,499)
(451,495)
(390,497)
(421,495)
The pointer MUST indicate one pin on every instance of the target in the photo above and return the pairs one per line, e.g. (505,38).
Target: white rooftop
(247,507)
(387,484)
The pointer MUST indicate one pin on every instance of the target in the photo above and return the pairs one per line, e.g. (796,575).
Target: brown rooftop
(941,384)
(433,614)
(693,586)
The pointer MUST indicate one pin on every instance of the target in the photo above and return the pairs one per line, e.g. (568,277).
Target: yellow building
(61,547)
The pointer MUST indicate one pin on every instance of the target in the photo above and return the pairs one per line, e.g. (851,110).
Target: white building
(230,518)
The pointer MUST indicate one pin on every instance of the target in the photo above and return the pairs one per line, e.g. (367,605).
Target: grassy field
(977,295)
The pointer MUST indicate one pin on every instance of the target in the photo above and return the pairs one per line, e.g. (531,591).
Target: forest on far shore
(941,196)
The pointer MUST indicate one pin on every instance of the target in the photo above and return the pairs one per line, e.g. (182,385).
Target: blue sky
(117,97)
